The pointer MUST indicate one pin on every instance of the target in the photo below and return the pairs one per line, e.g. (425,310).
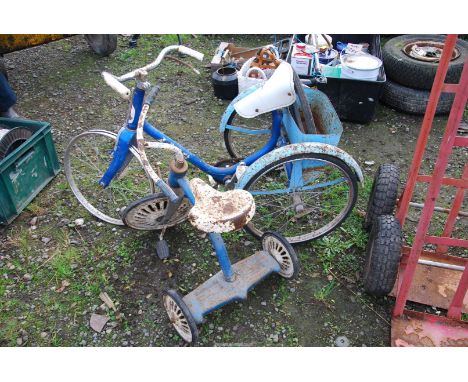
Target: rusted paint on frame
(422,329)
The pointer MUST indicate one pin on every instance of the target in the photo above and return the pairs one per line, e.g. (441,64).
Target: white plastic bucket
(360,66)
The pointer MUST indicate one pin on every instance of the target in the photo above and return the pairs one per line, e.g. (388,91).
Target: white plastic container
(360,67)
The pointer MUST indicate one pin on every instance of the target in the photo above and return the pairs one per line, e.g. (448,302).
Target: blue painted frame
(127,136)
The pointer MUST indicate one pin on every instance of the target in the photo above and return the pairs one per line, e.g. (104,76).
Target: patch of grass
(62,264)
(329,248)
(282,293)
(324,293)
(35,208)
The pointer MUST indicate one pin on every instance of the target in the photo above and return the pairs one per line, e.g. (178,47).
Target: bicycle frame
(126,139)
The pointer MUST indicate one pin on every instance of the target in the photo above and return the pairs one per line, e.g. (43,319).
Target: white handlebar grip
(114,83)
(191,52)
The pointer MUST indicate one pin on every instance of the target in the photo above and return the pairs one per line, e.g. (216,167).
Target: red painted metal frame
(435,181)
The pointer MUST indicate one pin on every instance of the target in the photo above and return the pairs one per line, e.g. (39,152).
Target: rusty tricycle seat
(219,212)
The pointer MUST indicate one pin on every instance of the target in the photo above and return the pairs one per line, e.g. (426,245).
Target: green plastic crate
(27,170)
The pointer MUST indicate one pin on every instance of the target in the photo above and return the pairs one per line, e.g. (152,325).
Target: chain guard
(146,214)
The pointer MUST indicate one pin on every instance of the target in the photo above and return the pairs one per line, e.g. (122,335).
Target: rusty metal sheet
(431,285)
(12,42)
(422,329)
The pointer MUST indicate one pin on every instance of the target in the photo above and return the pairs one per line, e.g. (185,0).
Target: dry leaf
(107,300)
(65,283)
(169,274)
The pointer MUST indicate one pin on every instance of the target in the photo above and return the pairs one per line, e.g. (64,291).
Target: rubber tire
(291,253)
(335,160)
(69,175)
(186,311)
(382,256)
(416,74)
(228,139)
(413,101)
(102,44)
(384,193)
(305,106)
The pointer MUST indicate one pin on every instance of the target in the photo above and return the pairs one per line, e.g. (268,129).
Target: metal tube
(438,209)
(441,265)
(223,258)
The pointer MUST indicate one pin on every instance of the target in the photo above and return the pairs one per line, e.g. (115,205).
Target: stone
(98,321)
(342,341)
(79,221)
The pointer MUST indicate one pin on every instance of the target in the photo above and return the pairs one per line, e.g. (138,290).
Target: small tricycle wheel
(180,316)
(283,252)
(383,256)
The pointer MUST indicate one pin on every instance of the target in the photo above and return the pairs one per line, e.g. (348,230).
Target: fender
(230,109)
(298,148)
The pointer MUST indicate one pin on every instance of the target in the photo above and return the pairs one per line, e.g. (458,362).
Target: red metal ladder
(418,267)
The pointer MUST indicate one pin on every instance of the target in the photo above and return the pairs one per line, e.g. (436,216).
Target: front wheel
(303,196)
(87,157)
(180,316)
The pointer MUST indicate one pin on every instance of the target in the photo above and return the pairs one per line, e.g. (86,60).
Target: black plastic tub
(355,100)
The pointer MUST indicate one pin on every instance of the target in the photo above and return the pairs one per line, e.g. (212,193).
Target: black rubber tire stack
(409,81)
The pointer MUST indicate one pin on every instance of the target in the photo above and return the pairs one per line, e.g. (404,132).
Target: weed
(323,293)
(62,264)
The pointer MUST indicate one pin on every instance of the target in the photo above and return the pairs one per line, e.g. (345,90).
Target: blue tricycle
(305,188)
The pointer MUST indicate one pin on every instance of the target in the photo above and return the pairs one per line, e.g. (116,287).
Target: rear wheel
(303,196)
(278,247)
(255,134)
(87,157)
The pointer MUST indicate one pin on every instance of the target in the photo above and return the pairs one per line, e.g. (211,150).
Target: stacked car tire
(409,80)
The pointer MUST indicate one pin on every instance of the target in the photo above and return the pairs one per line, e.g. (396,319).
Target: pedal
(162,249)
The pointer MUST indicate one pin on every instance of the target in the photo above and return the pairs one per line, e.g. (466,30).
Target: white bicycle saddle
(276,93)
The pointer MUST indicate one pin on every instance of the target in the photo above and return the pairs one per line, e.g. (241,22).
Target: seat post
(222,255)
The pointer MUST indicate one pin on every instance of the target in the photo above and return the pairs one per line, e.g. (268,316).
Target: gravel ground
(54,267)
